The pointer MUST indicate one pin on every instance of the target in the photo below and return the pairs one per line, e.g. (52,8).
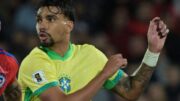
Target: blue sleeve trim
(10,55)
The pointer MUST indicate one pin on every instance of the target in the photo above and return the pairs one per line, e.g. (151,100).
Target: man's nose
(43,25)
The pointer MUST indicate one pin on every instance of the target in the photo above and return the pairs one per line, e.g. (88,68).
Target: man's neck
(61,48)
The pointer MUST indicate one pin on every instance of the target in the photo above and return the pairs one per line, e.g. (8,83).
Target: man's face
(51,26)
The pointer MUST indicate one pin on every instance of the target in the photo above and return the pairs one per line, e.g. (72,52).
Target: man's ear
(69,24)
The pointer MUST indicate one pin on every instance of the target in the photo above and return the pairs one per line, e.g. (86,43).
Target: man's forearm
(86,93)
(131,87)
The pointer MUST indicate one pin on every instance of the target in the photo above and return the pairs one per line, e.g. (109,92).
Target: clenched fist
(114,63)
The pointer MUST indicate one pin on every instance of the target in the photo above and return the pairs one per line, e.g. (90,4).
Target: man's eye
(50,19)
(38,19)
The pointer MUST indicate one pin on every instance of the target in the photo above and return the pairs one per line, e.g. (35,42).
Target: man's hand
(157,34)
(114,63)
(131,87)
(13,92)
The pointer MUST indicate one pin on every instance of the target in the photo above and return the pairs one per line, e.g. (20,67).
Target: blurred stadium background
(114,26)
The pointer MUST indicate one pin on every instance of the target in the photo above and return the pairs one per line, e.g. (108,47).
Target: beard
(47,43)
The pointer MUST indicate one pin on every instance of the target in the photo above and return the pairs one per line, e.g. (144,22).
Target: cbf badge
(2,80)
(38,77)
(65,84)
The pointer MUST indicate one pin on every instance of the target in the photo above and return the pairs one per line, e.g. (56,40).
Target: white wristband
(151,58)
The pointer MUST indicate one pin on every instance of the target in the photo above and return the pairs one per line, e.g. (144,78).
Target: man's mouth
(43,36)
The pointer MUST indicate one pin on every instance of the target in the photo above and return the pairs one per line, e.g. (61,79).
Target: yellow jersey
(44,68)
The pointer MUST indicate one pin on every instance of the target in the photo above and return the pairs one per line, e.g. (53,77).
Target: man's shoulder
(4,53)
(36,59)
(90,50)
(7,58)
(87,47)
(35,55)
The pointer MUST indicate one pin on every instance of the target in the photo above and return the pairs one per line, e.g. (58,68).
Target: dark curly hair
(65,7)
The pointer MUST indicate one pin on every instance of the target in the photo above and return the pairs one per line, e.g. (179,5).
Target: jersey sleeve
(101,60)
(37,75)
(3,84)
(13,69)
(8,70)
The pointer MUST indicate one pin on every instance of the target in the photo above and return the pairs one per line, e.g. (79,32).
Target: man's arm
(131,87)
(13,92)
(86,93)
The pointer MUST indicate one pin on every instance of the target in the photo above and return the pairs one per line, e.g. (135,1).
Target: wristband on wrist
(113,81)
(151,58)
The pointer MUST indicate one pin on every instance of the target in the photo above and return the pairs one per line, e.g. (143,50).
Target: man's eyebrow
(47,16)
(51,15)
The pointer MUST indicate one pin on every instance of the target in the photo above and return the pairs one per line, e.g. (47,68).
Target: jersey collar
(55,56)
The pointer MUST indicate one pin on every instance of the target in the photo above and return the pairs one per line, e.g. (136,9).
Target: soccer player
(59,70)
(9,86)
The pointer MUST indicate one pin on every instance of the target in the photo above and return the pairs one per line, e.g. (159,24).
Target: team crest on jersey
(38,77)
(2,80)
(65,84)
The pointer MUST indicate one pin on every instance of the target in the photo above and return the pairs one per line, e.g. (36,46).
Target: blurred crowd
(113,26)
